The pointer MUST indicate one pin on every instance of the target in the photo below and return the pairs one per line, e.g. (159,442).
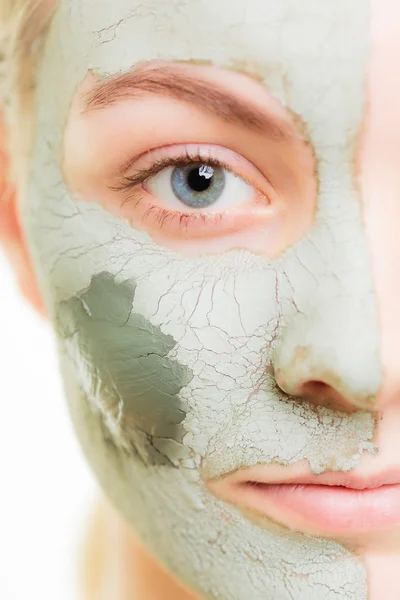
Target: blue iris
(198,185)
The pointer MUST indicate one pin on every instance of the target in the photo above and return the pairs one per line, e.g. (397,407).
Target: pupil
(198,181)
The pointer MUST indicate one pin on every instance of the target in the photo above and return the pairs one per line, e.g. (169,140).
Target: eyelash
(160,216)
(131,181)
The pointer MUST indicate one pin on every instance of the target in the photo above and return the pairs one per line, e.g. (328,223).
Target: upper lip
(260,475)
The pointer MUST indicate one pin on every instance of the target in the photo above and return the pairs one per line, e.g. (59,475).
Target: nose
(327,356)
(379,184)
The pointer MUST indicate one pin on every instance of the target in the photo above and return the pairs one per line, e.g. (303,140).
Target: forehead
(222,31)
(299,50)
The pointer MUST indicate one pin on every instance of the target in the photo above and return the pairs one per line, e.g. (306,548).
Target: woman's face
(212,208)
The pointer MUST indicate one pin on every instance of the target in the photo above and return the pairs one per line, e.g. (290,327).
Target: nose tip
(320,388)
(329,362)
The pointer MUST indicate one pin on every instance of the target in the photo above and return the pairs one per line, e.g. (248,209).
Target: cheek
(123,367)
(178,366)
(134,384)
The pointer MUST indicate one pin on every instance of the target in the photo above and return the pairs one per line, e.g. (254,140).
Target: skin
(204,337)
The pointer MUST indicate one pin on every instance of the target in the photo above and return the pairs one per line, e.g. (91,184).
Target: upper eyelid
(131,162)
(130,182)
(144,174)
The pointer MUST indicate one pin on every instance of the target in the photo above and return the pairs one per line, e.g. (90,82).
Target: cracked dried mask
(193,253)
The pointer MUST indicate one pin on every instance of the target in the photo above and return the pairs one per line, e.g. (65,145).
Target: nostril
(326,388)
(323,394)
(315,388)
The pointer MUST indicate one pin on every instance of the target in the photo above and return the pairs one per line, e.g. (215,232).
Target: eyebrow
(203,94)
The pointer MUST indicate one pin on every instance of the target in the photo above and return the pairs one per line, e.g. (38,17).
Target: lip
(330,504)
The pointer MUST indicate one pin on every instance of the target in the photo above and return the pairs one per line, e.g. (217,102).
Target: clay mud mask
(170,357)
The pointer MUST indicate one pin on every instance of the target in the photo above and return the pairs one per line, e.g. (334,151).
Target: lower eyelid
(150,217)
(194,226)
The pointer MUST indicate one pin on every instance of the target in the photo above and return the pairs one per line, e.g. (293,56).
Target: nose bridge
(331,309)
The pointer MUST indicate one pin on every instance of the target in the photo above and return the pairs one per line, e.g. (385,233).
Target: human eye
(193,191)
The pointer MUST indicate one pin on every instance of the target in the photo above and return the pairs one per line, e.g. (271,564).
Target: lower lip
(329,509)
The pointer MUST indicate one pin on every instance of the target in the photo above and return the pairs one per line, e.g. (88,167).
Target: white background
(46,489)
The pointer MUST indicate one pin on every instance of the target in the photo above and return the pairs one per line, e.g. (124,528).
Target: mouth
(331,504)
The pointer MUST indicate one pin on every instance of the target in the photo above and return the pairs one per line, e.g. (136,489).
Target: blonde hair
(22,24)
